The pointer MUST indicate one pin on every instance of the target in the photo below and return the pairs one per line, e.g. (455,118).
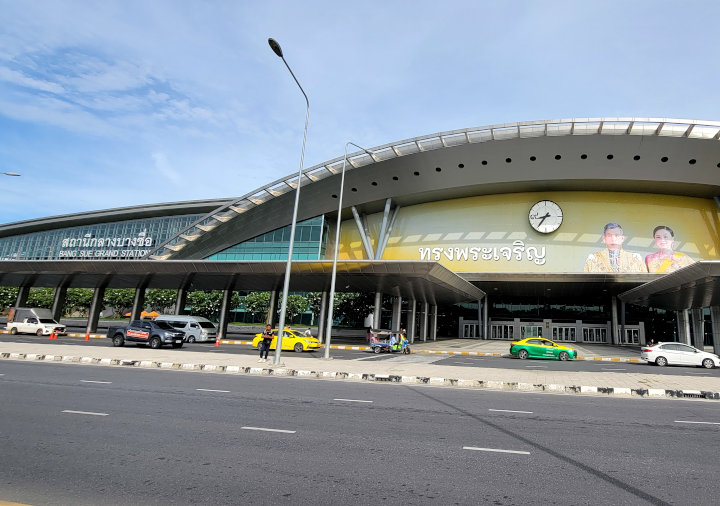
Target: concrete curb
(377,378)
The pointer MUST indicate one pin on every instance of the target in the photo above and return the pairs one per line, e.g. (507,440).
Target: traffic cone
(52,335)
(87,336)
(217,341)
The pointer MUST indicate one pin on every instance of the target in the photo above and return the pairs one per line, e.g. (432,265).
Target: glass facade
(310,244)
(121,240)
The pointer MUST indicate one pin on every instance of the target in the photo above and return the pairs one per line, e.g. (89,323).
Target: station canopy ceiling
(423,281)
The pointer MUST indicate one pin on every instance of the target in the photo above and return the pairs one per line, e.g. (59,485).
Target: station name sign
(89,246)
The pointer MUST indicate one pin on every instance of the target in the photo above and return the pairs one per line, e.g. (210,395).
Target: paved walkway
(416,368)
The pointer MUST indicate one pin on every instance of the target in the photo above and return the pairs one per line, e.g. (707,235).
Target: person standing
(267,337)
(666,259)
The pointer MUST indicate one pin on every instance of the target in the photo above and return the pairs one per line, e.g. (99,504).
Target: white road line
(269,430)
(536,367)
(612,369)
(510,411)
(84,413)
(208,390)
(699,423)
(498,450)
(351,400)
(100,382)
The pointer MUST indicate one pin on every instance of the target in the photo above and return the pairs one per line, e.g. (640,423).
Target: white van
(196,328)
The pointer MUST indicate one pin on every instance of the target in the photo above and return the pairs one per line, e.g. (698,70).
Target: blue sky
(108,104)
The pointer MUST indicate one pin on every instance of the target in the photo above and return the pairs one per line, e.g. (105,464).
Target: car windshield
(164,325)
(206,325)
(47,320)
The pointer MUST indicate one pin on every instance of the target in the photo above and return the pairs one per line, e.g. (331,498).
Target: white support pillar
(698,328)
(396,314)
(324,306)
(485,322)
(377,310)
(614,334)
(434,323)
(715,318)
(412,316)
(683,323)
(424,322)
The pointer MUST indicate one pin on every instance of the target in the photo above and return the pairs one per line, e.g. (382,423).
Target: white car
(678,354)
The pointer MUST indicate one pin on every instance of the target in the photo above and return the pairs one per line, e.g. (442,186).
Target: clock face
(545,216)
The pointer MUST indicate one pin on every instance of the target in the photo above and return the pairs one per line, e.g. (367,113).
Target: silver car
(678,354)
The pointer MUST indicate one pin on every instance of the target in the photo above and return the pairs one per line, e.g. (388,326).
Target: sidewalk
(406,369)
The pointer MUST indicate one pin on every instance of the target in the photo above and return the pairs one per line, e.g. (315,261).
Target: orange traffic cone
(52,335)
(217,341)
(87,336)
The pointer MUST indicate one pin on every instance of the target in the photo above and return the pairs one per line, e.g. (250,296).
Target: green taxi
(539,347)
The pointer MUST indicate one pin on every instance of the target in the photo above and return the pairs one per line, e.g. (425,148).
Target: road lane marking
(265,429)
(612,369)
(536,366)
(208,390)
(84,413)
(699,373)
(699,423)
(510,411)
(497,450)
(351,400)
(92,381)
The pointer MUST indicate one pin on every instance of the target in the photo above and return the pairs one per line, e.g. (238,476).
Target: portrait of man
(614,258)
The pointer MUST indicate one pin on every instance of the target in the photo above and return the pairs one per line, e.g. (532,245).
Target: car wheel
(661,361)
(376,349)
(708,363)
(13,330)
(563,356)
(523,354)
(192,339)
(177,345)
(155,343)
(298,348)
(118,340)
(39,333)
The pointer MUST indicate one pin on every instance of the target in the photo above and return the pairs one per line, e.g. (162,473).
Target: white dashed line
(613,369)
(510,411)
(269,430)
(99,382)
(497,450)
(84,413)
(351,400)
(699,423)
(208,390)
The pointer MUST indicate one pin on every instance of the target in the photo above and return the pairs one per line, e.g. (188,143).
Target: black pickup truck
(149,332)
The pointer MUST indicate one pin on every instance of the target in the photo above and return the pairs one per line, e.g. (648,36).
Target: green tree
(313,303)
(158,299)
(352,308)
(40,297)
(8,296)
(257,303)
(296,304)
(205,304)
(78,299)
(120,299)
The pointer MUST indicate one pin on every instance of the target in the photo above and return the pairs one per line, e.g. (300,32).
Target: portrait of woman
(666,259)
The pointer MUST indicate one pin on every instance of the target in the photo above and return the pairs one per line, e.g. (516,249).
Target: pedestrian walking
(267,337)
(307,333)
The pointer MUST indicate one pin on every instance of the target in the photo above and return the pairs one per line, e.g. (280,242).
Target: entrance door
(501,331)
(530,331)
(470,330)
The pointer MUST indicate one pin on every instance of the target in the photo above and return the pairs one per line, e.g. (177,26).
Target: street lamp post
(286,286)
(337,247)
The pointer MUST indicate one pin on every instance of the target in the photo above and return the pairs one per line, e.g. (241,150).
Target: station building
(594,230)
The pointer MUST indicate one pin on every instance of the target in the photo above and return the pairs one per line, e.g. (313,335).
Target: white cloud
(20,79)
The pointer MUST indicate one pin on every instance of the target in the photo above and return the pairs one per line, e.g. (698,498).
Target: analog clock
(545,216)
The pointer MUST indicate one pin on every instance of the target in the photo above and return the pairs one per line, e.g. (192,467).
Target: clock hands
(542,218)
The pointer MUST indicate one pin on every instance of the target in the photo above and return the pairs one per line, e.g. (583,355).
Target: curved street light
(286,286)
(337,247)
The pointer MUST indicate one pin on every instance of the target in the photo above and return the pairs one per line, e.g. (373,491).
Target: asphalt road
(98,435)
(504,362)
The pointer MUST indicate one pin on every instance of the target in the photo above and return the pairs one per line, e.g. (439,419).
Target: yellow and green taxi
(292,340)
(539,347)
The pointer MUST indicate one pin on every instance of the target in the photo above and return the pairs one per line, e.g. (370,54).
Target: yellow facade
(493,233)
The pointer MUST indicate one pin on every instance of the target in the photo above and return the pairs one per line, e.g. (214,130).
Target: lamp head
(11,173)
(275,47)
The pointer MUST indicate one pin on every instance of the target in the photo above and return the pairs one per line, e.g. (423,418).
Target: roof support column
(396,314)
(698,328)
(361,224)
(424,321)
(486,328)
(322,317)
(224,319)
(22,296)
(614,338)
(95,307)
(272,308)
(58,305)
(481,323)
(623,337)
(715,318)
(412,316)
(433,322)
(683,323)
(377,310)
(139,300)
